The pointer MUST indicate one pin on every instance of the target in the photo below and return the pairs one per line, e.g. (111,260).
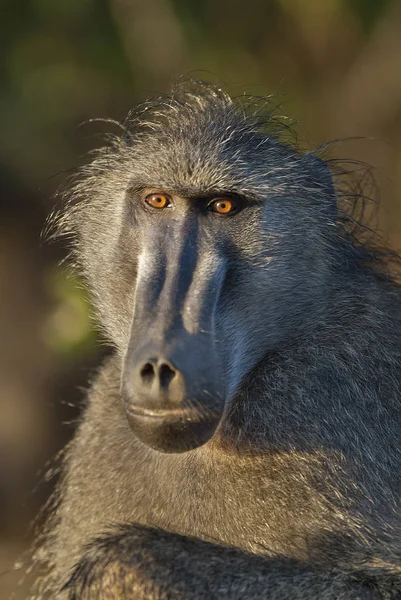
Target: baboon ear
(319,174)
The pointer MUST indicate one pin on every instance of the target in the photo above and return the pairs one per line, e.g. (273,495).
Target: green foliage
(368,11)
(68,330)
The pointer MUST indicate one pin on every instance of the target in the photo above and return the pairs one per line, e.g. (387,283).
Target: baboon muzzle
(172,380)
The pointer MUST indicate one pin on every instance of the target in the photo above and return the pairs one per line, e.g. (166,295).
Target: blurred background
(336,65)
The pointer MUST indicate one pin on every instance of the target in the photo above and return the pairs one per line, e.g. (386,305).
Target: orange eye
(223,206)
(158,200)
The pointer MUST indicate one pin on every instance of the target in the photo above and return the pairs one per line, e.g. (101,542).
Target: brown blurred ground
(337,64)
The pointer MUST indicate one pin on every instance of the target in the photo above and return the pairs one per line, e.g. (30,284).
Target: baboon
(243,441)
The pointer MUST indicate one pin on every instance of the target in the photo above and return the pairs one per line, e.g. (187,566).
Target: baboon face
(184,347)
(200,240)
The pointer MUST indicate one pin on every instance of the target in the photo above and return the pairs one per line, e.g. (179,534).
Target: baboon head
(205,243)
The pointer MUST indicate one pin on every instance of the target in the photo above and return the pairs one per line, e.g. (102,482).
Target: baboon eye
(223,206)
(158,200)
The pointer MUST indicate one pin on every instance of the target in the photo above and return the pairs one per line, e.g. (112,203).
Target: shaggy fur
(297,494)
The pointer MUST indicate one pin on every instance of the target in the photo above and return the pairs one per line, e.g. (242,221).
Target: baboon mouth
(174,430)
(187,414)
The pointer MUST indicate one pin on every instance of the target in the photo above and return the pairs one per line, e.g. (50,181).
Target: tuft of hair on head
(195,99)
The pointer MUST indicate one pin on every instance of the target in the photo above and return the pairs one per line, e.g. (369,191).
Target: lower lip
(137,411)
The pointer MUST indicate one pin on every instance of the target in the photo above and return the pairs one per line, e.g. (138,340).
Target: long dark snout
(172,381)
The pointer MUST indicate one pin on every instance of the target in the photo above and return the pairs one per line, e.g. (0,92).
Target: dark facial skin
(173,380)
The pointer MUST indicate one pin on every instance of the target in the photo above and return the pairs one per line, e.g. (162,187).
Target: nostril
(147,373)
(166,374)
